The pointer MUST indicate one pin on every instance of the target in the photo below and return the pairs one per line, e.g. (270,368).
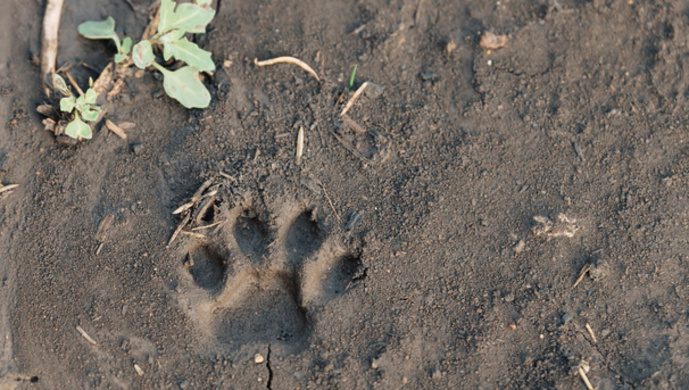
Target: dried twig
(354,97)
(288,60)
(74,82)
(51,25)
(583,272)
(115,129)
(194,234)
(330,202)
(85,335)
(8,187)
(593,335)
(181,226)
(300,144)
(351,148)
(587,382)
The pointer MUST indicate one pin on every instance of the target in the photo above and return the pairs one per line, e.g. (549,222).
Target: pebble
(183,384)
(519,248)
(566,318)
(137,148)
(429,76)
(4,162)
(509,298)
(258,358)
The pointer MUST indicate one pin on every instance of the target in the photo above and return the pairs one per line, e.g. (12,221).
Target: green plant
(351,79)
(106,30)
(176,20)
(82,105)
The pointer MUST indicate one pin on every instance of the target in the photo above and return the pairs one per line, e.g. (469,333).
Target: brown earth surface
(403,251)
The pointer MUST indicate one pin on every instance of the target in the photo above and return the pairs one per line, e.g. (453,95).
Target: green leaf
(167,14)
(119,57)
(187,17)
(80,102)
(90,96)
(204,2)
(126,45)
(78,129)
(171,37)
(61,85)
(142,54)
(185,86)
(104,29)
(90,113)
(67,103)
(190,53)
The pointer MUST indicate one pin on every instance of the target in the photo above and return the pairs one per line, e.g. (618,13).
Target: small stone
(449,47)
(429,76)
(259,359)
(375,364)
(566,318)
(137,148)
(492,41)
(519,248)
(373,91)
(4,162)
(183,384)
(509,298)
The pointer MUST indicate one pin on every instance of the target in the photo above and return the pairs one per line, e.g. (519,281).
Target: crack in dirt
(270,370)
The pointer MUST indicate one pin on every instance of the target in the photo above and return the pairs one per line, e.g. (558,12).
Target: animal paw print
(257,281)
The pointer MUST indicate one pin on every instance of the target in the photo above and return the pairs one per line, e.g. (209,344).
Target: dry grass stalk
(51,25)
(585,378)
(354,97)
(288,60)
(583,272)
(593,335)
(300,144)
(85,335)
(8,187)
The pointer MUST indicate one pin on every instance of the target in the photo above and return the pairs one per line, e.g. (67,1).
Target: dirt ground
(402,252)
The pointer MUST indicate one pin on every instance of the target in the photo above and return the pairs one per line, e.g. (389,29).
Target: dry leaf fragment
(492,41)
(563,227)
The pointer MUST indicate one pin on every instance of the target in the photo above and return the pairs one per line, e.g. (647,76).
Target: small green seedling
(351,79)
(183,84)
(106,30)
(82,105)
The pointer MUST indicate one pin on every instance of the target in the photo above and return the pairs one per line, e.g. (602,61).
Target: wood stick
(51,25)
(354,97)
(9,187)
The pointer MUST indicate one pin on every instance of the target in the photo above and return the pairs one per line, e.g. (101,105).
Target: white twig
(8,188)
(85,335)
(356,95)
(300,144)
(288,60)
(51,25)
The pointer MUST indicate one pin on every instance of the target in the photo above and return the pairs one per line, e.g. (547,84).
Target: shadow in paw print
(302,239)
(207,267)
(251,236)
(336,281)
